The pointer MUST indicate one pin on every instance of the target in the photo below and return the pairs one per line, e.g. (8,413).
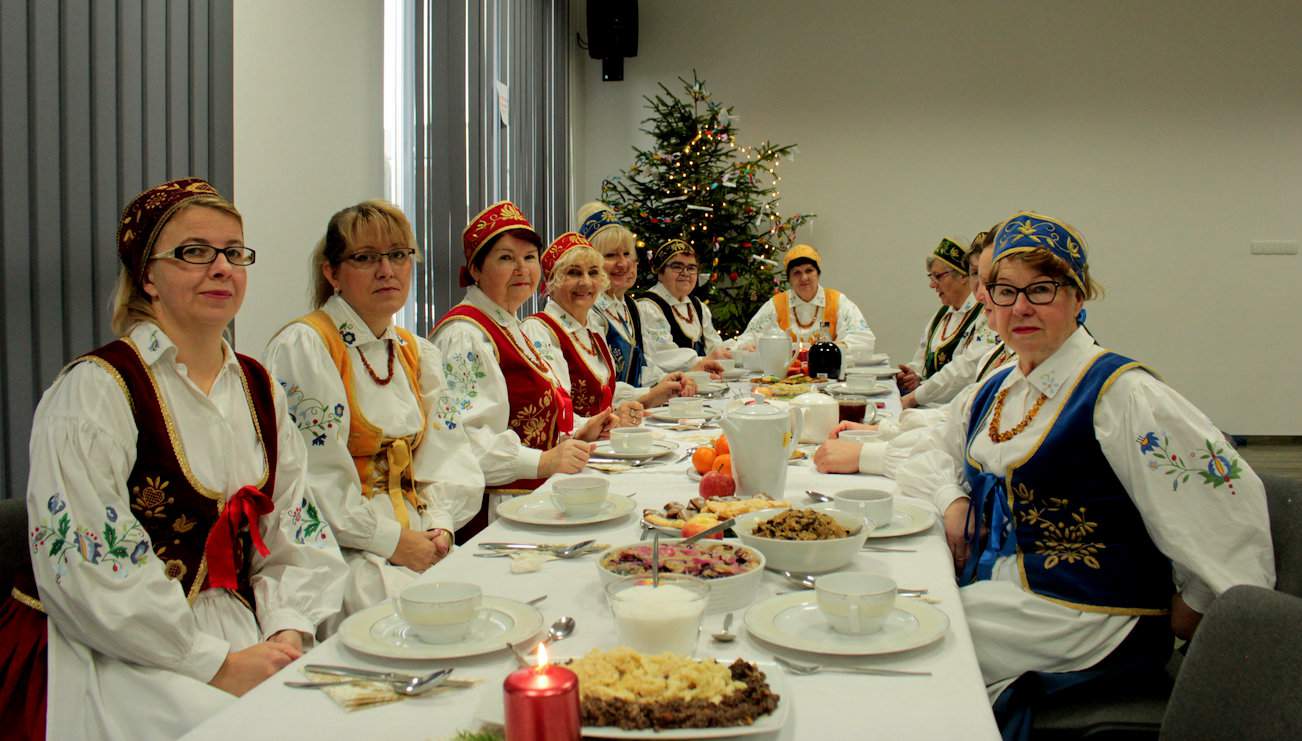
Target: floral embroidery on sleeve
(305,526)
(1221,469)
(119,546)
(463,372)
(313,416)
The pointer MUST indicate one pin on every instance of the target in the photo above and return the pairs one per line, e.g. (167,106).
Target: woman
(574,280)
(175,545)
(948,275)
(511,401)
(673,316)
(1105,509)
(392,469)
(804,309)
(617,316)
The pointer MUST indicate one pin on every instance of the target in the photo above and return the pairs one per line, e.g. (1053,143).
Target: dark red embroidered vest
(590,395)
(171,504)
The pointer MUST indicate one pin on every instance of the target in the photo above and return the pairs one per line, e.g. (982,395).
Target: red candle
(542,703)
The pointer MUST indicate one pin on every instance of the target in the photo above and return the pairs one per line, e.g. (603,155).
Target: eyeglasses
(938,277)
(371,259)
(206,254)
(683,268)
(1039,293)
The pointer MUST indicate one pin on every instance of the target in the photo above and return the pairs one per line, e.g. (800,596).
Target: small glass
(851,408)
(663,619)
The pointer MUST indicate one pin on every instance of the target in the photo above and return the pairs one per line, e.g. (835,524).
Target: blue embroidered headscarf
(597,221)
(1032,232)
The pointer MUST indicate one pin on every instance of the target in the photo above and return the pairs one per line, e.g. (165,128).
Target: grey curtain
(463,158)
(98,101)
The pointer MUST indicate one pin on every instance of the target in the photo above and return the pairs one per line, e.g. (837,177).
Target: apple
(692,527)
(716,484)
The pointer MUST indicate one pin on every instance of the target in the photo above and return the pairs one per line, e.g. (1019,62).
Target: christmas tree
(697,184)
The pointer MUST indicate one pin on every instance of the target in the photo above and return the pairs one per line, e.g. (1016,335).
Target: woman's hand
(629,414)
(955,524)
(848,425)
(416,549)
(291,638)
(569,456)
(837,456)
(907,379)
(597,424)
(711,366)
(670,386)
(442,542)
(1184,619)
(719,353)
(909,400)
(244,670)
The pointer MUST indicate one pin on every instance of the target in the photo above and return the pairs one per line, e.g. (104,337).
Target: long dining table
(950,703)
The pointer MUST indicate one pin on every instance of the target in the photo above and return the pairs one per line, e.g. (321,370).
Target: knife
(348,671)
(709,531)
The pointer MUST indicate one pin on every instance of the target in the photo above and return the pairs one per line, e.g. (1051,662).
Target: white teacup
(687,406)
(632,440)
(861,436)
(876,505)
(700,378)
(579,496)
(855,603)
(727,363)
(860,384)
(440,612)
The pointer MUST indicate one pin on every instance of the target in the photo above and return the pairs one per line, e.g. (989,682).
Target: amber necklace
(795,314)
(691,314)
(591,351)
(371,371)
(1002,437)
(621,323)
(945,326)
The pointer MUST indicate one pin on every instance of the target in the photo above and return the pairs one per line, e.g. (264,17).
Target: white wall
(308,140)
(1171,137)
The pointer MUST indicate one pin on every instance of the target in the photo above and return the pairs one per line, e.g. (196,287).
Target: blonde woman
(392,469)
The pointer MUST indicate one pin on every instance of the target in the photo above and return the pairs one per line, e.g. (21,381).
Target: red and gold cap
(497,219)
(145,216)
(556,250)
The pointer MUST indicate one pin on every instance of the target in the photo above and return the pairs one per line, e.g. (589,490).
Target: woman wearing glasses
(513,404)
(393,472)
(1091,509)
(174,542)
(674,317)
(952,326)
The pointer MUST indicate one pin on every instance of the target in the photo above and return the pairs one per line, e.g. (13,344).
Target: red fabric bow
(566,419)
(247,505)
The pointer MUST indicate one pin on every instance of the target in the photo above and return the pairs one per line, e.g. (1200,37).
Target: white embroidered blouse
(945,328)
(657,329)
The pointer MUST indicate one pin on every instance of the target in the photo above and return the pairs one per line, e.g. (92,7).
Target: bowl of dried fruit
(807,540)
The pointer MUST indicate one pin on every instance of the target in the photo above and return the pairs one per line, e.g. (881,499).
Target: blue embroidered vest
(628,355)
(1062,511)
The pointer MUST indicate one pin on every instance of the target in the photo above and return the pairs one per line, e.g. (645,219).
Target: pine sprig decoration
(699,185)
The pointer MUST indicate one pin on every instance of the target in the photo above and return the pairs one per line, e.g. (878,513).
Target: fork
(806,669)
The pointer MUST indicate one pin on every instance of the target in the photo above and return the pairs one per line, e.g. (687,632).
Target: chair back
(1240,679)
(13,542)
(1284,498)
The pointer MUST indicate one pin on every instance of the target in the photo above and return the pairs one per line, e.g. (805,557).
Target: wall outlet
(1274,248)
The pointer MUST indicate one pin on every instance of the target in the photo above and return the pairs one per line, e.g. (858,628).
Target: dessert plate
(537,509)
(492,711)
(877,389)
(657,449)
(794,621)
(907,519)
(663,414)
(379,631)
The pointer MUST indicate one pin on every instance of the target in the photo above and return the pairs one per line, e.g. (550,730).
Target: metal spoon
(560,629)
(817,496)
(806,581)
(723,636)
(420,685)
(655,559)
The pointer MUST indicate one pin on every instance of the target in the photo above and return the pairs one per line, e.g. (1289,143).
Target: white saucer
(379,631)
(537,509)
(657,449)
(736,374)
(491,711)
(662,414)
(876,371)
(877,389)
(907,519)
(711,388)
(794,621)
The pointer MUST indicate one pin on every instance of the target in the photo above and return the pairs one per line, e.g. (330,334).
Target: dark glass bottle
(825,356)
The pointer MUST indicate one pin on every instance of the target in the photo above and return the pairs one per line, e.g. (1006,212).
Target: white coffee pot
(761,438)
(774,349)
(821,416)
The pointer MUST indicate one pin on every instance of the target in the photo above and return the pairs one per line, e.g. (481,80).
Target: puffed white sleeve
(300,583)
(447,470)
(853,329)
(318,410)
(478,396)
(934,470)
(1202,504)
(712,339)
(659,340)
(919,361)
(95,567)
(765,319)
(958,373)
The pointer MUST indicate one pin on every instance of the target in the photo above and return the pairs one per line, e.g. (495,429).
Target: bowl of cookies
(806,540)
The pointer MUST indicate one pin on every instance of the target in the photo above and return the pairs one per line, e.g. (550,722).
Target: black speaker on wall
(612,35)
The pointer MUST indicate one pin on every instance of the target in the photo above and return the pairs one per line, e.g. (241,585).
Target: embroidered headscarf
(597,221)
(1031,232)
(950,253)
(497,219)
(666,252)
(145,216)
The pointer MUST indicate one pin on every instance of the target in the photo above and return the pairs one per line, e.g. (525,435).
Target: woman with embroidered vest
(176,547)
(511,401)
(802,310)
(673,317)
(1090,508)
(952,326)
(391,468)
(574,279)
(619,317)
(974,351)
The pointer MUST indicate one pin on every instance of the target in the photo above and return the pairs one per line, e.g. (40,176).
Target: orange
(703,460)
(723,464)
(721,445)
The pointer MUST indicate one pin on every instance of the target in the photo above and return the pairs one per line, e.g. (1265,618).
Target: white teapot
(821,415)
(761,438)
(774,349)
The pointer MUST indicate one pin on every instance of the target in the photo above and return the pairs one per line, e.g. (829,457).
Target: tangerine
(722,464)
(721,445)
(703,460)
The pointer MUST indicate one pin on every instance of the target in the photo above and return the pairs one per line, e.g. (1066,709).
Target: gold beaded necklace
(1002,437)
(691,314)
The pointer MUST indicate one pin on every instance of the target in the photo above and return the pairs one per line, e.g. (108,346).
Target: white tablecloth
(950,704)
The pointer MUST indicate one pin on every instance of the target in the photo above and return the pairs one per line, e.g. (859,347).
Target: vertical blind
(460,156)
(98,101)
